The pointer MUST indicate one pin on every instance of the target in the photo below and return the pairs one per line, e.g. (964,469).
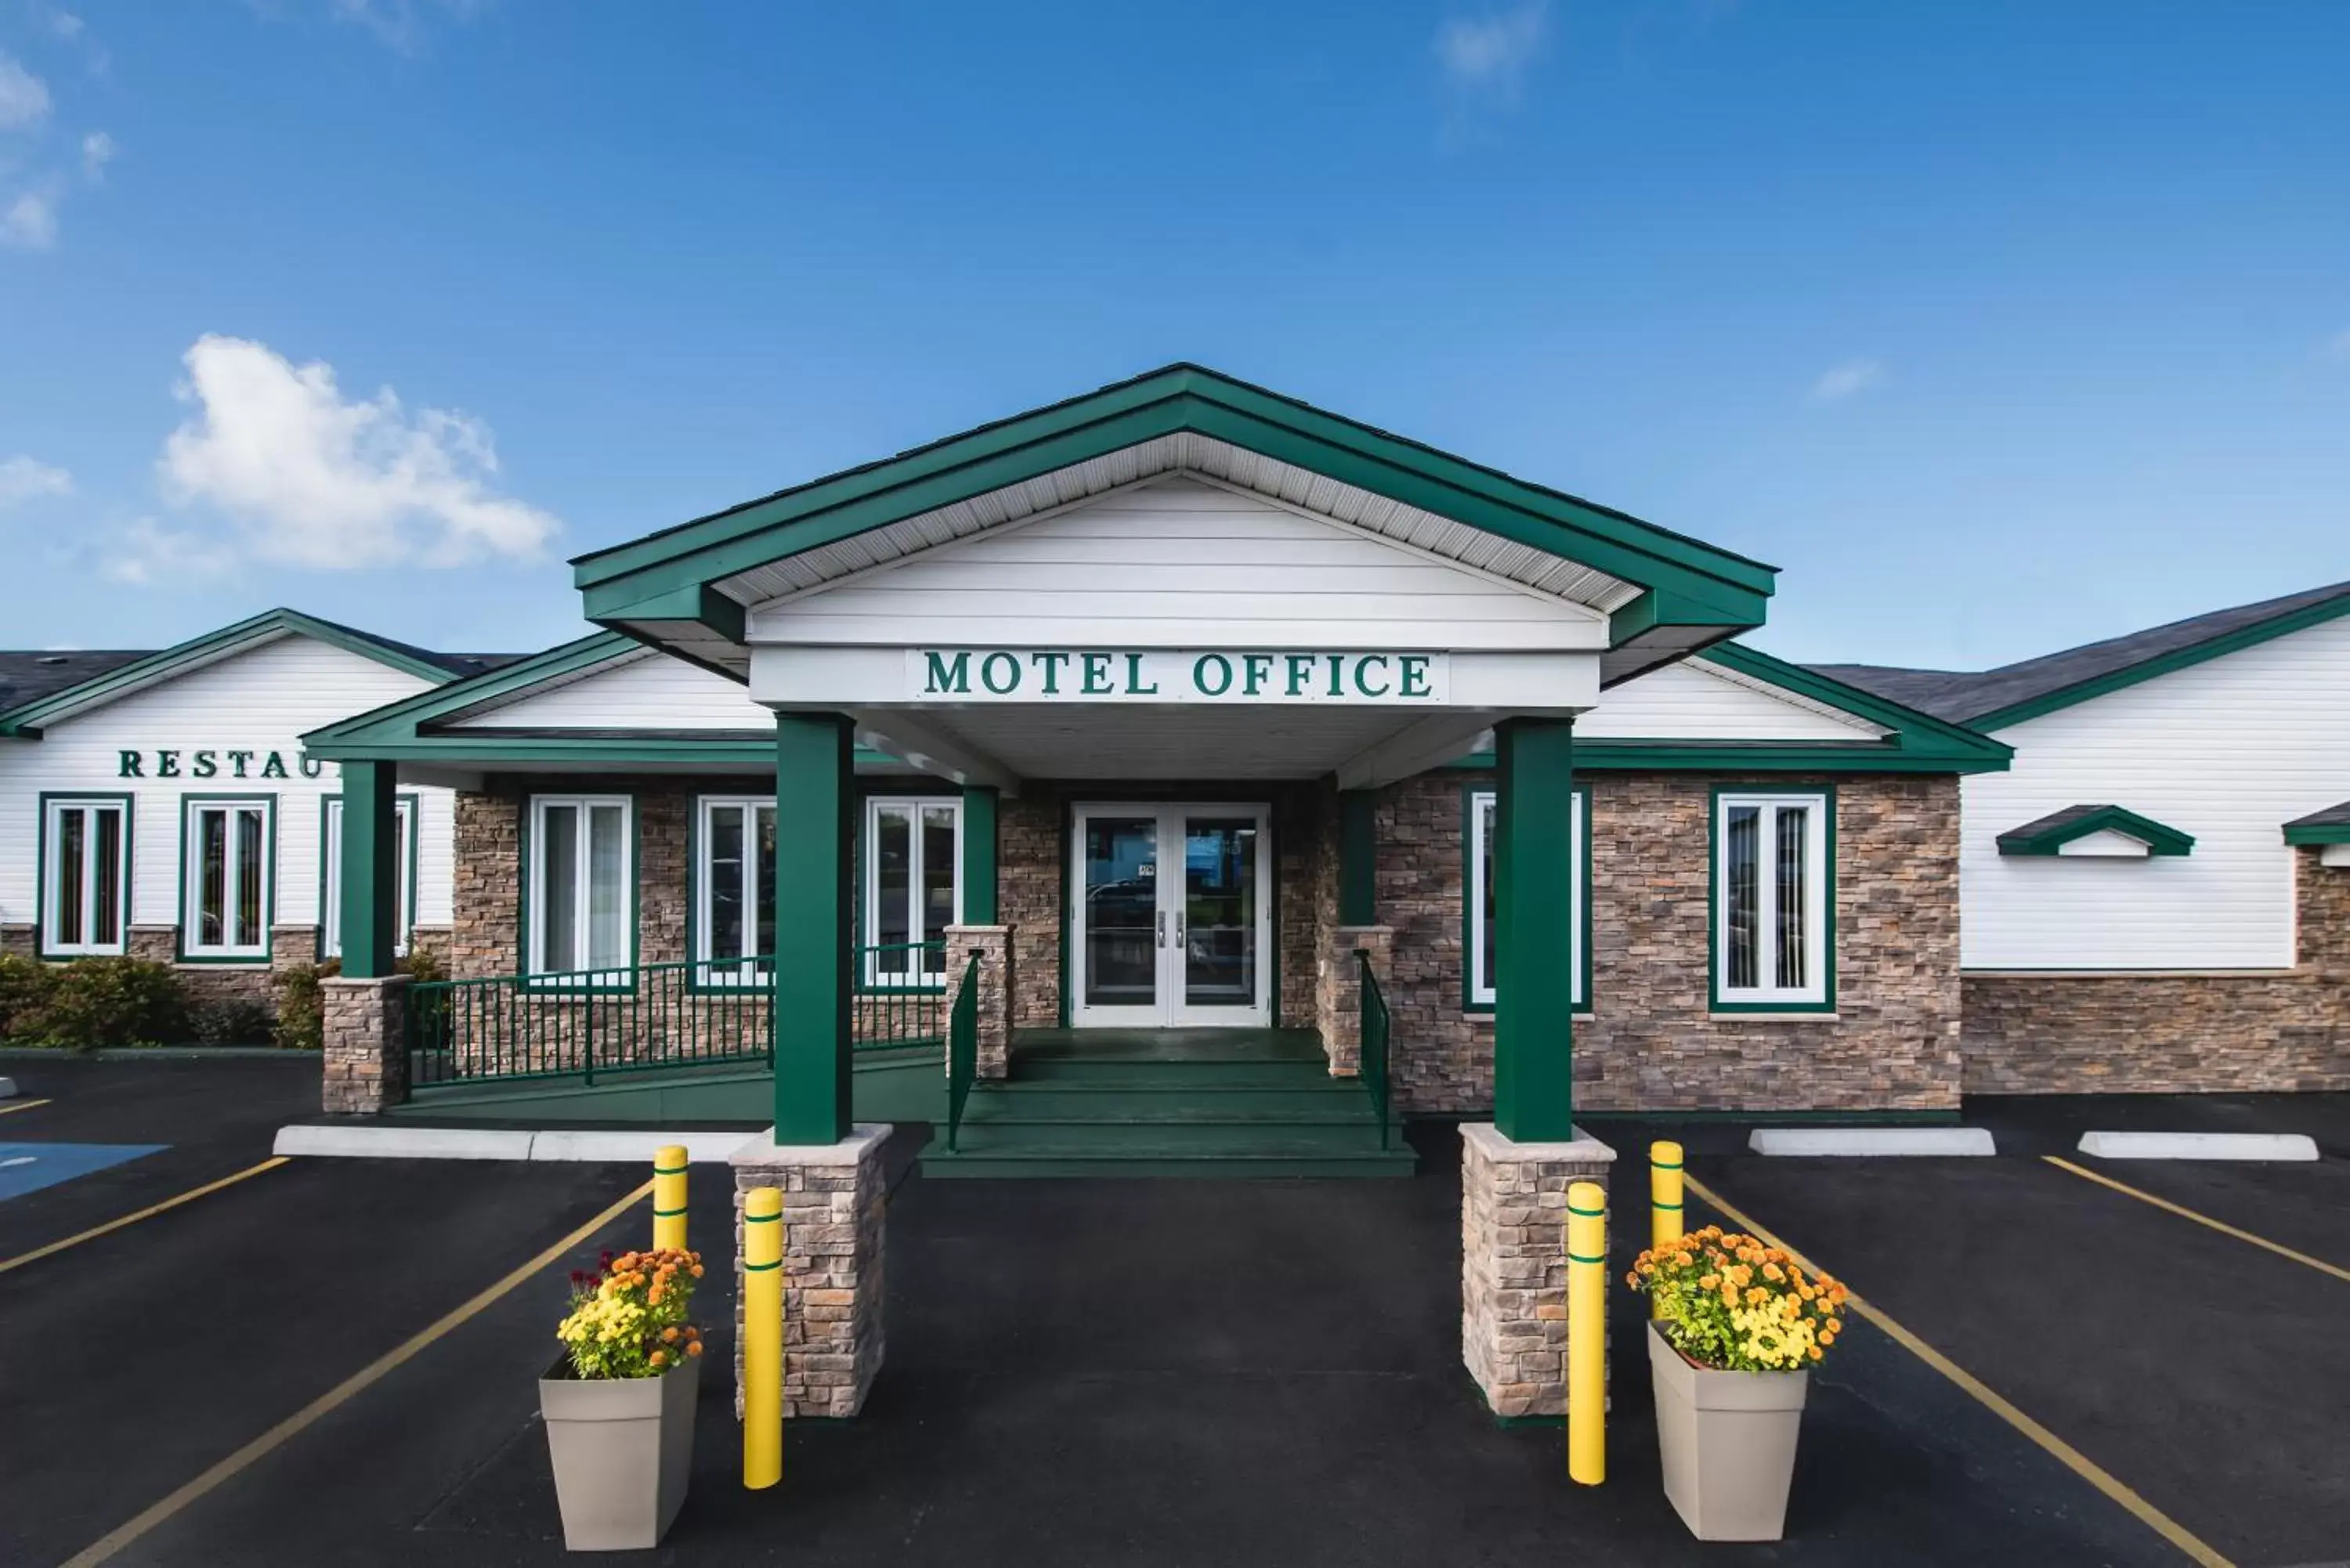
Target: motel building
(1183,780)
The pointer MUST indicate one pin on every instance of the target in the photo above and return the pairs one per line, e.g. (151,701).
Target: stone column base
(1339,991)
(366,1040)
(834,1197)
(1513,1263)
(994,945)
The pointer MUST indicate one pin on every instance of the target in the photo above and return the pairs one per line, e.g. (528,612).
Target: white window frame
(1819,897)
(192,811)
(709,969)
(579,974)
(1482,805)
(330,885)
(869,905)
(52,810)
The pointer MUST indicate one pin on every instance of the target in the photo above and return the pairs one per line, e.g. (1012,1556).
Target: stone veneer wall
(2176,1034)
(1650,1041)
(486,938)
(1031,874)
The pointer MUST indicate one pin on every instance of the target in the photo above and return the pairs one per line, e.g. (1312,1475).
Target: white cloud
(63,24)
(147,554)
(23,479)
(1489,53)
(2339,346)
(23,100)
(29,221)
(1840,381)
(308,478)
(97,153)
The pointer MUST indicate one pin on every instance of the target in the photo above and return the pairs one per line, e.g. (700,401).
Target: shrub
(628,1320)
(302,1000)
(25,983)
(1728,1301)
(235,1021)
(97,1003)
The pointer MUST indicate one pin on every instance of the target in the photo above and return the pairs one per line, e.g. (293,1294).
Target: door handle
(1162,928)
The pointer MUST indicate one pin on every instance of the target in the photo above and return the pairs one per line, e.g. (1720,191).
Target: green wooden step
(1013,1164)
(1122,1071)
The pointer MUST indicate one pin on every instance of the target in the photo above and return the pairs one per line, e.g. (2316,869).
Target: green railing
(1373,1035)
(963,1049)
(680,1015)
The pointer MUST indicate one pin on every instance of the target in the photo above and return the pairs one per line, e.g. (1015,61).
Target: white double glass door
(1170,915)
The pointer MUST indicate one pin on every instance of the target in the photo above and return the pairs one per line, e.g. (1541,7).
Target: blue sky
(2000,326)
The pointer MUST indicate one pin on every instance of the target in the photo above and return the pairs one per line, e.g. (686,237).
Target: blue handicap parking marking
(29,1167)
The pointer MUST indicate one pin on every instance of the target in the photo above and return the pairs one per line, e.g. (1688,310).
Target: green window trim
(556,983)
(2050,834)
(186,952)
(1476,800)
(43,948)
(1821,881)
(330,855)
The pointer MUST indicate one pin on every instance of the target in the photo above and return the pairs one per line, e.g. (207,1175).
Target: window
(1773,944)
(226,849)
(85,876)
(913,887)
(734,890)
(581,911)
(1481,903)
(331,887)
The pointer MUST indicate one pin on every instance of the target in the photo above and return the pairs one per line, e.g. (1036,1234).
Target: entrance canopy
(1222,580)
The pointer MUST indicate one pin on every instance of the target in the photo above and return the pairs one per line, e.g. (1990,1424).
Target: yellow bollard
(669,1199)
(763,1337)
(1663,1199)
(1586,1332)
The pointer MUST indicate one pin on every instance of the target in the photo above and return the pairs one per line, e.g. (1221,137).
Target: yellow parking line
(123,1534)
(2320,1264)
(21,1105)
(2079,1463)
(190,1196)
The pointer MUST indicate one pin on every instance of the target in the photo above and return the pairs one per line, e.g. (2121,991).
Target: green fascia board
(2317,833)
(1916,735)
(141,672)
(2179,659)
(2033,838)
(643,580)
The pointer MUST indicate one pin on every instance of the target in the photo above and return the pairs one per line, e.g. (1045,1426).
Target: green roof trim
(2284,624)
(410,730)
(1915,742)
(2331,826)
(140,673)
(1689,582)
(2050,834)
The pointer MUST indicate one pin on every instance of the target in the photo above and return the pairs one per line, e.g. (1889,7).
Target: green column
(815,807)
(1358,852)
(370,868)
(978,854)
(1533,977)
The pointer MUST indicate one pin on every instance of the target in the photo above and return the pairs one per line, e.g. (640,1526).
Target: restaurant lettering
(1173,675)
(211,762)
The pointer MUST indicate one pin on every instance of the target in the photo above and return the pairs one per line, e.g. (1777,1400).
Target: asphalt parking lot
(1158,1372)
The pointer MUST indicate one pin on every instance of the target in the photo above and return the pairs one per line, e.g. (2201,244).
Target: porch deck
(1037,1045)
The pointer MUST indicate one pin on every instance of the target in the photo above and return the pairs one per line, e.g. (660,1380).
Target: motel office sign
(1176,675)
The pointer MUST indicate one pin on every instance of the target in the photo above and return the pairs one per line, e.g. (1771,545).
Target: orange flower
(694,1348)
(1772,1272)
(669,1335)
(1816,1352)
(697,1270)
(657,1358)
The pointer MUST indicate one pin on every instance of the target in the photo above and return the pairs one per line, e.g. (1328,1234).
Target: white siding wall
(644,691)
(1181,563)
(260,701)
(1693,700)
(2228,750)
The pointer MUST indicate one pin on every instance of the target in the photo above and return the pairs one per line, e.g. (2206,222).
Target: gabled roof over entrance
(686,588)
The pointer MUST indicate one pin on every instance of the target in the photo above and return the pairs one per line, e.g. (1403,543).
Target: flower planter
(623,1451)
(1728,1442)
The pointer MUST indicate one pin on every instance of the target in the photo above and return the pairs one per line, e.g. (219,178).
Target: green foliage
(235,1021)
(302,999)
(25,983)
(99,1002)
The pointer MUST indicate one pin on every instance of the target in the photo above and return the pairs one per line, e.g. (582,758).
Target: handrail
(635,1017)
(963,1050)
(1374,1042)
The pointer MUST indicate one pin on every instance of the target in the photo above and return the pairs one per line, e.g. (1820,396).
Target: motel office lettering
(1164,675)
